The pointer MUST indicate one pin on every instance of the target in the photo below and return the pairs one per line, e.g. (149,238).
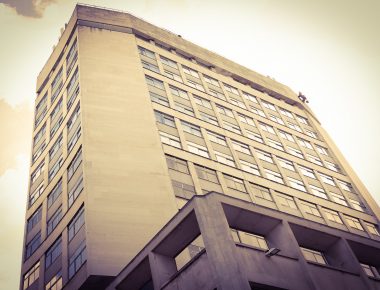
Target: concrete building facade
(132,121)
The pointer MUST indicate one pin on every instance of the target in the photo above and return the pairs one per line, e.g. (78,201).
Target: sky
(327,49)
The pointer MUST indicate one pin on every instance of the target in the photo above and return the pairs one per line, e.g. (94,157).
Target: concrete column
(220,247)
(162,268)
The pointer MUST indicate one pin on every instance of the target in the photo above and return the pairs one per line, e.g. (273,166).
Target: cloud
(16,131)
(28,8)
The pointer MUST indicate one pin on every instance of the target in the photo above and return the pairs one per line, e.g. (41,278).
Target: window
(224,111)
(168,62)
(297,184)
(54,221)
(346,186)
(192,129)
(74,139)
(39,135)
(244,148)
(55,283)
(311,134)
(231,89)
(317,191)
(183,190)
(354,223)
(71,57)
(286,136)
(195,85)
(237,103)
(32,275)
(327,179)
(234,183)
(197,149)
(77,259)
(73,118)
(250,167)
(274,176)
(40,117)
(286,113)
(164,119)
(211,81)
(322,150)
(338,198)
(169,139)
(254,136)
(72,84)
(257,111)
(313,256)
(34,219)
(246,120)
(33,245)
(307,171)
(37,172)
(179,93)
(217,94)
(206,174)
(56,86)
(191,251)
(38,152)
(314,159)
(150,66)
(56,109)
(202,102)
(305,143)
(55,193)
(154,82)
(276,119)
(36,194)
(275,144)
(294,127)
(53,253)
(264,156)
(75,191)
(267,128)
(177,164)
(156,98)
(76,223)
(250,97)
(216,138)
(184,109)
(77,160)
(146,52)
(71,98)
(372,229)
(56,126)
(190,71)
(209,119)
(224,158)
(261,192)
(173,76)
(231,127)
(249,239)
(41,104)
(332,216)
(357,205)
(57,145)
(55,168)
(286,201)
(310,208)
(284,163)
(369,270)
(302,120)
(332,166)
(269,106)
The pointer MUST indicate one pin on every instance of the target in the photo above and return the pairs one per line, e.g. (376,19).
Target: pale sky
(327,49)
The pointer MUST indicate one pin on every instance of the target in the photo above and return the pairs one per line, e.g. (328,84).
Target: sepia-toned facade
(133,121)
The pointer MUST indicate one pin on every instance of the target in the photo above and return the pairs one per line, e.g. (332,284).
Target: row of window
(186,191)
(76,260)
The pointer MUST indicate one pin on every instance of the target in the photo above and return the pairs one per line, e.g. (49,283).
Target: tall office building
(132,121)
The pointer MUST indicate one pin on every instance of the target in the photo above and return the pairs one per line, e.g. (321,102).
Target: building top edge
(176,42)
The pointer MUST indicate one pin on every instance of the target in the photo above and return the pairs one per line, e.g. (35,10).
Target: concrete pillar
(162,268)
(220,247)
